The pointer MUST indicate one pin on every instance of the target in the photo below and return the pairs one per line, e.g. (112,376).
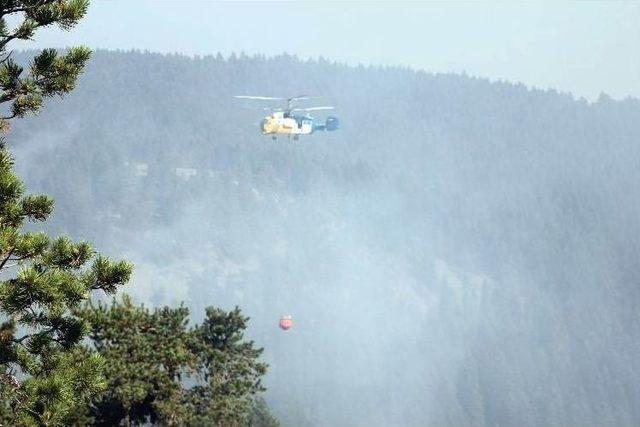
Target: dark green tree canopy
(161,370)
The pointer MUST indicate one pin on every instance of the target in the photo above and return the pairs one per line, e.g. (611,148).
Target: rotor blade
(261,108)
(257,97)
(303,97)
(313,109)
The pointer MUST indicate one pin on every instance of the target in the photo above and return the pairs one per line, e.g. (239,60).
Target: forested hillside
(459,253)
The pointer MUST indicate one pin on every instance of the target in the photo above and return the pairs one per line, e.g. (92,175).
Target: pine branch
(6,57)
(20,9)
(4,261)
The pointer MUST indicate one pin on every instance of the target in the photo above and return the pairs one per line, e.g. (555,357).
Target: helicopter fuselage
(280,123)
(283,122)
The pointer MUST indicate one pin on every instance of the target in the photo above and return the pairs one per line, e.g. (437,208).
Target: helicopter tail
(332,123)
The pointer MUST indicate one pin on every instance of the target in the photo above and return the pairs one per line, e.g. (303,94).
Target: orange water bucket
(286,322)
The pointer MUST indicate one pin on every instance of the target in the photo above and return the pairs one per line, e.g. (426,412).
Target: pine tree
(49,73)
(161,371)
(147,353)
(229,368)
(44,373)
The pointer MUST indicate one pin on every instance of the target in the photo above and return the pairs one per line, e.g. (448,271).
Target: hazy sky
(582,47)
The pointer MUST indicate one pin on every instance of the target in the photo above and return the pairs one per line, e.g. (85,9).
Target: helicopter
(284,121)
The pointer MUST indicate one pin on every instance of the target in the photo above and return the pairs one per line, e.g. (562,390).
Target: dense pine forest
(460,253)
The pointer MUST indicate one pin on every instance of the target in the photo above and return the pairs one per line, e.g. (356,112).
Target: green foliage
(162,371)
(44,373)
(49,73)
(43,280)
(228,367)
(146,354)
(260,415)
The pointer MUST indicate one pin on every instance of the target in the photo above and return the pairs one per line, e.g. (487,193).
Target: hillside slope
(460,253)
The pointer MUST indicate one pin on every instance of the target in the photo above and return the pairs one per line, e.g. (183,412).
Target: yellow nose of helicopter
(268,125)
